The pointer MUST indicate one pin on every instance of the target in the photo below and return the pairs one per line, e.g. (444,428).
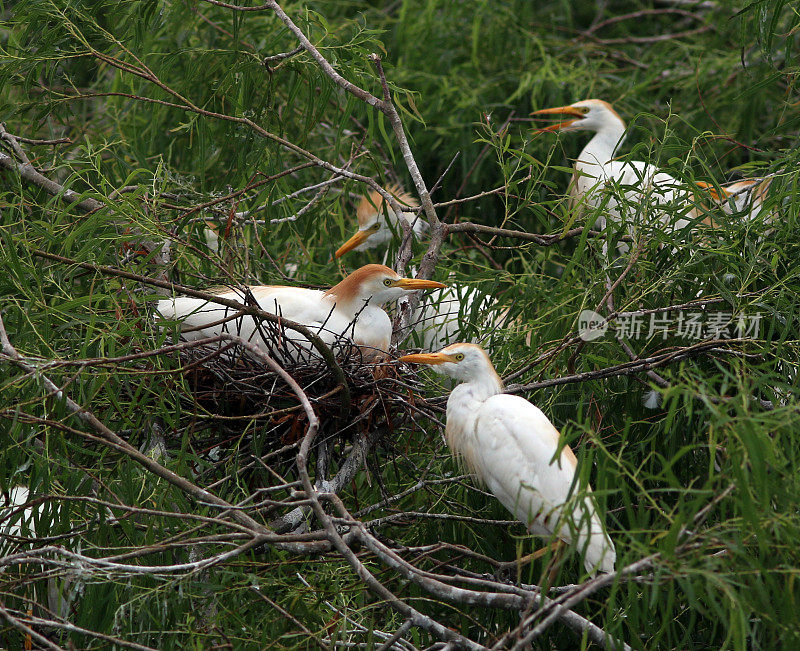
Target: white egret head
(586,115)
(464,362)
(377,284)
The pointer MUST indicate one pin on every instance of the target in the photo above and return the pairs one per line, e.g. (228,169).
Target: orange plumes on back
(708,187)
(701,207)
(350,286)
(758,193)
(373,203)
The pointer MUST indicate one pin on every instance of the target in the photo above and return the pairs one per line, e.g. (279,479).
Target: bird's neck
(478,389)
(462,408)
(345,303)
(603,145)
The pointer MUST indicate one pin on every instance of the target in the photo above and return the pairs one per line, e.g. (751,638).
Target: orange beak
(418,283)
(426,358)
(359,238)
(559,110)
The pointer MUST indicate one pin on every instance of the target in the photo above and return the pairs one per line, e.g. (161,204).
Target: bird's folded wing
(516,444)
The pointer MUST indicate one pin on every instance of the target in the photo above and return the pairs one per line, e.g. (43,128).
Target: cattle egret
(350,310)
(439,317)
(377,221)
(641,184)
(742,197)
(510,445)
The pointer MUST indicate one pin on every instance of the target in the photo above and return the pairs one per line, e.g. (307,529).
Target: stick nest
(232,394)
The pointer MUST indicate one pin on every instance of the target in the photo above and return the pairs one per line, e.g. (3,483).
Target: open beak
(426,358)
(559,110)
(418,283)
(359,238)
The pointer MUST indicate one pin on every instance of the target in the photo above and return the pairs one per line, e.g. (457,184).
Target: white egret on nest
(350,310)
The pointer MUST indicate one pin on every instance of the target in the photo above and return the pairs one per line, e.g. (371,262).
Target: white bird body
(647,191)
(652,188)
(512,447)
(350,310)
(441,314)
(19,525)
(16,522)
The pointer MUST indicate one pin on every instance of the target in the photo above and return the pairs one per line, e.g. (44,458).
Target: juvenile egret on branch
(509,444)
(350,310)
(438,319)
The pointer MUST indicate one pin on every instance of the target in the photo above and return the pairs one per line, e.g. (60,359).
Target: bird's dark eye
(458,357)
(388,282)
(583,109)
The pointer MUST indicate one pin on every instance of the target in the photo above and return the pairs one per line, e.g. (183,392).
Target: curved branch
(324,351)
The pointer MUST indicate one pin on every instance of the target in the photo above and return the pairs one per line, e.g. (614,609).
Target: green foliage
(115,77)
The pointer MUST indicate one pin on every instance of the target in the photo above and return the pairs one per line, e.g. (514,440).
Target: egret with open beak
(511,446)
(641,189)
(348,311)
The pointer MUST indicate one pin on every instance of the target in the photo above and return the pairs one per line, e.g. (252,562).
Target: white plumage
(18,521)
(642,185)
(641,192)
(511,446)
(350,311)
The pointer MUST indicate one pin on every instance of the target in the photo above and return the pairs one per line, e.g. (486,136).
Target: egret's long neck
(602,147)
(347,295)
(462,407)
(469,395)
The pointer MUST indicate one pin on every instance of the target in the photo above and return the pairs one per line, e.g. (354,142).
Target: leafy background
(715,101)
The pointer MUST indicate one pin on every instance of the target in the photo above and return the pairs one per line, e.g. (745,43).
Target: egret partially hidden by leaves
(350,310)
(745,197)
(377,221)
(440,316)
(643,189)
(641,184)
(510,445)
